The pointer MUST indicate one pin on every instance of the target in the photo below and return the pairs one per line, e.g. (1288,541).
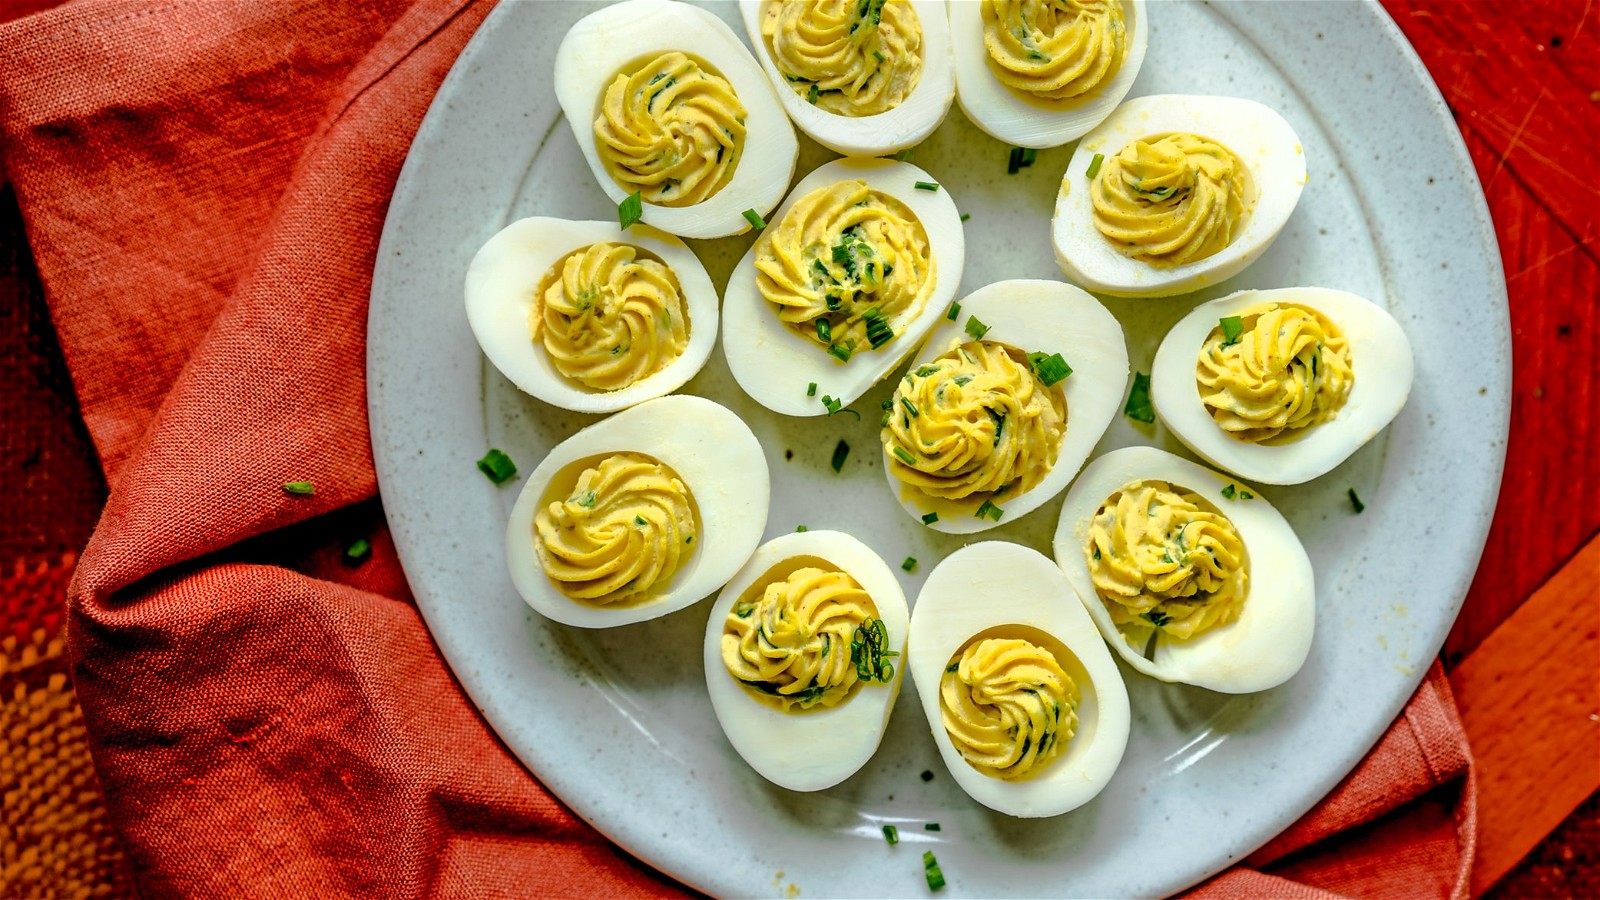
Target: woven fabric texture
(204,186)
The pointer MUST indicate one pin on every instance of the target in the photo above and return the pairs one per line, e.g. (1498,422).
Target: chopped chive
(841,450)
(891,834)
(824,331)
(1051,368)
(878,330)
(639,521)
(497,466)
(811,389)
(903,155)
(754,218)
(358,551)
(931,826)
(955,310)
(879,57)
(910,407)
(989,511)
(811,95)
(1014,163)
(966,216)
(930,518)
(1356,501)
(1246,495)
(630,210)
(305,488)
(926,185)
(976,328)
(1138,407)
(689,539)
(839,352)
(930,867)
(953,667)
(909,564)
(1229,492)
(1094,165)
(1232,328)
(925,371)
(800,529)
(905,456)
(1028,156)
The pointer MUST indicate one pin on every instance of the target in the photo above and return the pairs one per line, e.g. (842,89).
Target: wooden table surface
(1524,83)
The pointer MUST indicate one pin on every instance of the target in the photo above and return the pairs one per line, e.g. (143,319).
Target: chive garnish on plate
(976,328)
(811,389)
(955,310)
(630,210)
(358,551)
(905,456)
(930,518)
(497,467)
(1094,165)
(1138,407)
(841,451)
(930,867)
(755,220)
(1232,328)
(926,185)
(305,488)
(909,564)
(1356,501)
(1050,368)
(891,834)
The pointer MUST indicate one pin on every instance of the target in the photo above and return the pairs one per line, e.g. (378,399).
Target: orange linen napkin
(204,185)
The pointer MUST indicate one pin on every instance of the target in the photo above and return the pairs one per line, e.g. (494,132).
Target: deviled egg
(1005,401)
(639,515)
(861,77)
(1280,386)
(1025,703)
(588,317)
(1042,73)
(1173,193)
(803,657)
(1191,576)
(852,271)
(666,102)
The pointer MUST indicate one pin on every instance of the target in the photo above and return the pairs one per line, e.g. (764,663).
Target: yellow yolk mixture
(609,318)
(1172,200)
(977,419)
(627,526)
(847,267)
(1160,558)
(1008,707)
(792,645)
(1054,49)
(849,57)
(673,130)
(1287,370)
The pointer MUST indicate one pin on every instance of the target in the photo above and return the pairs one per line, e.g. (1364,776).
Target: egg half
(797,606)
(642,320)
(639,515)
(1311,376)
(970,450)
(882,69)
(1002,709)
(1186,216)
(904,247)
(665,100)
(1254,609)
(1061,74)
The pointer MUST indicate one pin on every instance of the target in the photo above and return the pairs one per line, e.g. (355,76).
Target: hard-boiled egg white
(1375,353)
(723,473)
(772,363)
(1262,141)
(681,132)
(1269,640)
(816,748)
(1003,590)
(1028,317)
(1027,119)
(502,295)
(842,40)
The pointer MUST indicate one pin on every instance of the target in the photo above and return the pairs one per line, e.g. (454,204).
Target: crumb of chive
(755,220)
(800,529)
(1246,495)
(910,407)
(358,551)
(1020,159)
(811,95)
(1138,407)
(903,155)
(824,330)
(1050,368)
(1232,328)
(966,216)
(909,564)
(930,518)
(1094,165)
(841,450)
(839,352)
(1229,492)
(988,510)
(976,328)
(1356,501)
(877,56)
(497,467)
(931,826)
(905,456)
(811,389)
(955,310)
(926,185)
(930,867)
(299,488)
(630,210)
(891,834)
(927,775)
(1028,156)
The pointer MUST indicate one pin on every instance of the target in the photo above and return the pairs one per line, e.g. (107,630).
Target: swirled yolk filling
(672,129)
(627,526)
(1287,370)
(1161,558)
(608,318)
(1172,200)
(803,642)
(1008,707)
(847,267)
(974,420)
(849,57)
(1054,49)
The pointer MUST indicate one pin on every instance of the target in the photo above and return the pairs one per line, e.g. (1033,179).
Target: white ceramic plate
(617,722)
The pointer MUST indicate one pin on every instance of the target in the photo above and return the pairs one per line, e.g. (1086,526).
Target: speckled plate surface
(618,724)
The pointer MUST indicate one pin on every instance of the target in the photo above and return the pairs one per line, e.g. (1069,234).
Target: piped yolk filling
(1008,707)
(848,57)
(608,317)
(1288,371)
(1054,49)
(1172,200)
